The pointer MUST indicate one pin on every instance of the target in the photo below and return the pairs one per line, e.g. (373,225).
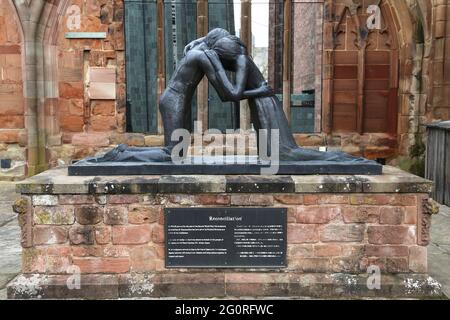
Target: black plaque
(226,237)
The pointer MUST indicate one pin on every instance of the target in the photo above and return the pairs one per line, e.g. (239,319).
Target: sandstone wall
(12,115)
(54,110)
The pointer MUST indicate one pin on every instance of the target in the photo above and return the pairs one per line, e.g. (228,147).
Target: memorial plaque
(85,35)
(226,237)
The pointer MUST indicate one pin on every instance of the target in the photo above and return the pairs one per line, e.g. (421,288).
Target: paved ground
(9,237)
(438,250)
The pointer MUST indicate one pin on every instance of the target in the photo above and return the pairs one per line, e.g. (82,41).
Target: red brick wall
(78,123)
(87,120)
(125,233)
(12,142)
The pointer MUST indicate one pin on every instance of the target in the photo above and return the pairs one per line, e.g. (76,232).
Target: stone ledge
(240,166)
(222,285)
(56,181)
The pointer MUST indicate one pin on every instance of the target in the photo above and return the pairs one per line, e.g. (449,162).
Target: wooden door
(365,69)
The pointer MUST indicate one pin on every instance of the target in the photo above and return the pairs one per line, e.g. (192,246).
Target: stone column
(202,89)
(441,62)
(30,15)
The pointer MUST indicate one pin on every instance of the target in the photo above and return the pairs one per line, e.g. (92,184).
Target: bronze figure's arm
(193,44)
(227,92)
(263,91)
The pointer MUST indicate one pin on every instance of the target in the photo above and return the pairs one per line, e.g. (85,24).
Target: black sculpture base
(234,165)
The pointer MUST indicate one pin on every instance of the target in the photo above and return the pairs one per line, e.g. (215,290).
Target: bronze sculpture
(212,56)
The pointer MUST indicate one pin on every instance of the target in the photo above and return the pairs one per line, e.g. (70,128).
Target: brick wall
(77,119)
(12,138)
(113,228)
(125,233)
(87,119)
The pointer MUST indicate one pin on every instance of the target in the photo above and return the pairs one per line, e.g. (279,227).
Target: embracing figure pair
(212,56)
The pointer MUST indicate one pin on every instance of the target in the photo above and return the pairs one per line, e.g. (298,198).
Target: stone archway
(415,84)
(376,85)
(31,14)
(40,21)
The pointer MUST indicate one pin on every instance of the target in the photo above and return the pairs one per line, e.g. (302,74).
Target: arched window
(362,63)
(284,38)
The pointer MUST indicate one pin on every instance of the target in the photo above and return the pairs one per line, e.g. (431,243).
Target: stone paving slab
(7,195)
(222,285)
(439,249)
(10,249)
(57,181)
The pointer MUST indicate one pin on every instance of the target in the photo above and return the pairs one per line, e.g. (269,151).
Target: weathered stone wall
(441,61)
(55,111)
(85,118)
(82,108)
(12,125)
(125,233)
(339,225)
(304,46)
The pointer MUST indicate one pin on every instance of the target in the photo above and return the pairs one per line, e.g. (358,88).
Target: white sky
(260,21)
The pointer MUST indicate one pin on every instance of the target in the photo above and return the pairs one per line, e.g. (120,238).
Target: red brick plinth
(111,229)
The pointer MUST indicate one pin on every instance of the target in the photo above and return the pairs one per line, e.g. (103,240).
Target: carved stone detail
(429,208)
(22,206)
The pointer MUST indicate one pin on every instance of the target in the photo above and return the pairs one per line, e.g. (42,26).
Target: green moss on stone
(29,254)
(415,163)
(43,217)
(20,205)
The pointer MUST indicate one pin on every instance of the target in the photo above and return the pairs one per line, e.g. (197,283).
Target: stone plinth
(112,229)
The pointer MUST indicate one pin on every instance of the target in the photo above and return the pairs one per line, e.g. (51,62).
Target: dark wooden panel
(344,117)
(346,57)
(345,97)
(346,85)
(344,124)
(375,111)
(345,108)
(377,72)
(345,72)
(378,57)
(394,69)
(375,125)
(392,110)
(376,97)
(376,85)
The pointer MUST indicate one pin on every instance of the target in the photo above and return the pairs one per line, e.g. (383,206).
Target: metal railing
(438,160)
